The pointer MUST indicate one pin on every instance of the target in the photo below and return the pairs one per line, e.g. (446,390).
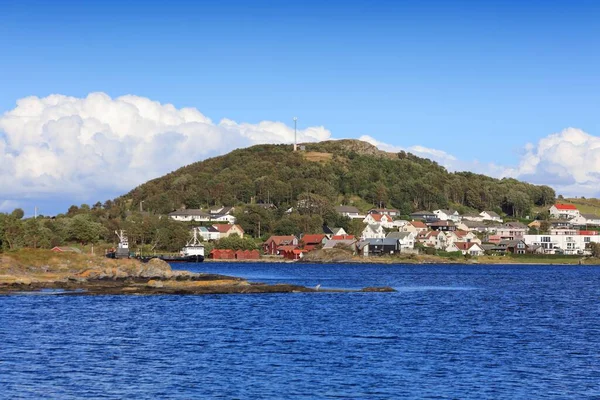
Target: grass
(316,156)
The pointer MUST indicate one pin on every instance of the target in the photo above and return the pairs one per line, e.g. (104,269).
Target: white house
(349,211)
(230,219)
(472,217)
(447,215)
(190,215)
(565,244)
(406,240)
(490,216)
(461,236)
(471,248)
(208,233)
(586,219)
(564,211)
(382,219)
(436,239)
(415,226)
(373,231)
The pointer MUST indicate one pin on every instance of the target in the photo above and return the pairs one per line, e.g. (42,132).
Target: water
(468,332)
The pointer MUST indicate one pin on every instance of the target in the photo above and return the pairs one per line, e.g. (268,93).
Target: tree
(595,249)
(18,213)
(235,242)
(83,230)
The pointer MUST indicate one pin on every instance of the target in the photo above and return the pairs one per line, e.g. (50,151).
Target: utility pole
(295,134)
(35,212)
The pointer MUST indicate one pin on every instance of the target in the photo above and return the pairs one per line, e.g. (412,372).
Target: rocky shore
(77,274)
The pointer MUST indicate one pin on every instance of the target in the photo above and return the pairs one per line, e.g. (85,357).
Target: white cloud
(88,146)
(569,161)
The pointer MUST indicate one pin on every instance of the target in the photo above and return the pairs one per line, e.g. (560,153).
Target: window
(545,239)
(586,239)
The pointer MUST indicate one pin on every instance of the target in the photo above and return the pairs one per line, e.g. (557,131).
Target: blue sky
(478,80)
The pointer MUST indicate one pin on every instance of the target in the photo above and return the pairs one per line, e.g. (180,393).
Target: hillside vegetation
(344,171)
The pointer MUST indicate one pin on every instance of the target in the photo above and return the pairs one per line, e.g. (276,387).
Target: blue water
(467,332)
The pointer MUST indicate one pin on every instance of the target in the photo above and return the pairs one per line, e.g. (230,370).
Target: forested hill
(338,172)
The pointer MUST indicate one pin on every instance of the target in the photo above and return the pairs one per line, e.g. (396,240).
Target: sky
(98,97)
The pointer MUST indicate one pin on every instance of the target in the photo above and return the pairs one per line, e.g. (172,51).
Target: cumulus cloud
(94,145)
(568,161)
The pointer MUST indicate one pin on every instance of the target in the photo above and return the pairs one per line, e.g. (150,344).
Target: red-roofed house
(471,248)
(290,252)
(226,230)
(564,211)
(415,227)
(310,242)
(381,219)
(271,245)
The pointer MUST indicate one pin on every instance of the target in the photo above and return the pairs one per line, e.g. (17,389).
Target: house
(426,216)
(461,236)
(227,230)
(433,239)
(447,215)
(62,249)
(415,227)
(373,231)
(382,219)
(471,248)
(406,240)
(330,232)
(222,214)
(586,219)
(564,244)
(226,218)
(517,246)
(511,230)
(564,211)
(208,233)
(472,217)
(443,226)
(348,243)
(383,246)
(290,252)
(340,237)
(490,216)
(190,215)
(390,212)
(272,243)
(222,254)
(247,255)
(310,242)
(348,211)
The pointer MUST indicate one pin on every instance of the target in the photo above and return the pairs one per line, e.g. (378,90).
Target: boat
(122,250)
(193,251)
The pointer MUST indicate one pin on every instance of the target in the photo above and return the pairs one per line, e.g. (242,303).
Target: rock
(23,281)
(155,284)
(156,268)
(378,289)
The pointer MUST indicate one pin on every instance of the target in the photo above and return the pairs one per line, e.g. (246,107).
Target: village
(442,231)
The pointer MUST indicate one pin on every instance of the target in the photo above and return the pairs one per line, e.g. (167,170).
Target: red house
(271,245)
(310,242)
(222,254)
(291,252)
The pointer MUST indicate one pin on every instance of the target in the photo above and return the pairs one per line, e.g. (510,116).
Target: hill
(337,172)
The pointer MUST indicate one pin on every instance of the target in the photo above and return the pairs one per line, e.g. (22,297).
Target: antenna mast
(295,134)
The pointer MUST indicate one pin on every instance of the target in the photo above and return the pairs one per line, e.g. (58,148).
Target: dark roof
(188,212)
(385,242)
(590,216)
(515,225)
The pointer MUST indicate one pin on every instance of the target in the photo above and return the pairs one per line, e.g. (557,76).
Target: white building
(373,231)
(586,219)
(566,244)
(471,248)
(490,216)
(564,211)
(190,215)
(349,211)
(406,240)
(447,215)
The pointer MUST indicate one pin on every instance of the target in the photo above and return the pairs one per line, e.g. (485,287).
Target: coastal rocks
(381,289)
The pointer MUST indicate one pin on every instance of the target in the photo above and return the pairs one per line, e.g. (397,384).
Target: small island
(80,274)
